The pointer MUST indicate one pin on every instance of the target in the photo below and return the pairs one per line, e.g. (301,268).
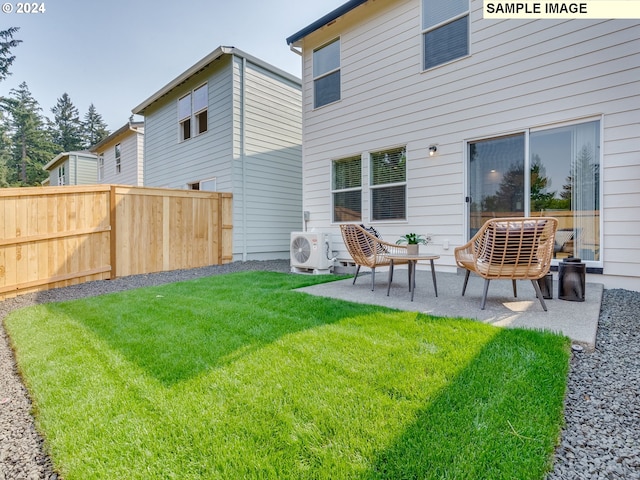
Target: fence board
(58,236)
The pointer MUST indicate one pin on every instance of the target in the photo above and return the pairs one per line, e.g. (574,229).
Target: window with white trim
(193,112)
(445,31)
(326,74)
(389,185)
(118,158)
(184,117)
(208,185)
(346,186)
(101,167)
(62,177)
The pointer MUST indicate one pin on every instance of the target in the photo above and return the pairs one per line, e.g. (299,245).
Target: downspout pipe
(243,156)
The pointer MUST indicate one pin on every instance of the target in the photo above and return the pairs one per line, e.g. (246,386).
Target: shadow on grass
(502,425)
(175,332)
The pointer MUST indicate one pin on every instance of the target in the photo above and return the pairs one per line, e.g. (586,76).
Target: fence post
(113,240)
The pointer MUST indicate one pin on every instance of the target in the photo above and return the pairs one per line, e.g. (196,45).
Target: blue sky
(117,53)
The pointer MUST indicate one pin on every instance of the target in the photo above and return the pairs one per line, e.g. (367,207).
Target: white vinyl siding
(269,187)
(131,159)
(521,75)
(86,169)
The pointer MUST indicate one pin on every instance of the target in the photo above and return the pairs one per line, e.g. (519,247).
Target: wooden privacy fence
(58,236)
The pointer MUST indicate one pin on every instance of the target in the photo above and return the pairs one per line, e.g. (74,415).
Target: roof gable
(202,64)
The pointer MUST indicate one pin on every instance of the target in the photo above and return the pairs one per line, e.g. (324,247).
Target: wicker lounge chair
(509,249)
(369,250)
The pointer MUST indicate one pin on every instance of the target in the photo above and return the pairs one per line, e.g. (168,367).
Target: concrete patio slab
(576,320)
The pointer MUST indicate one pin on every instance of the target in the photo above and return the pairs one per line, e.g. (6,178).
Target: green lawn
(239,377)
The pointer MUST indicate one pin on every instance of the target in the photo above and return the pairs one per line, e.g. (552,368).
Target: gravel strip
(601,439)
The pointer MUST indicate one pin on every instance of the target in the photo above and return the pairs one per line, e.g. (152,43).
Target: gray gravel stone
(600,440)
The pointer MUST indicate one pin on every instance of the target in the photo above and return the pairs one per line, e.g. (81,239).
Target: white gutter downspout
(243,157)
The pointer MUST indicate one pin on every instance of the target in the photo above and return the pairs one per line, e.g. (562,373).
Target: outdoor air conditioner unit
(311,252)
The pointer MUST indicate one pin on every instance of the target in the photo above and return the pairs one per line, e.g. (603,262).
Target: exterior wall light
(432,150)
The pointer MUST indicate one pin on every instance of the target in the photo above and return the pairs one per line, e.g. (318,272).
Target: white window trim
(192,117)
(326,74)
(200,182)
(117,153)
(467,13)
(372,187)
(361,188)
(62,175)
(101,167)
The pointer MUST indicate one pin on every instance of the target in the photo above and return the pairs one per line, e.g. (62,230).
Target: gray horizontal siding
(272,154)
(171,163)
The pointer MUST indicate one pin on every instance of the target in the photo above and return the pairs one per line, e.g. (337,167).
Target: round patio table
(412,261)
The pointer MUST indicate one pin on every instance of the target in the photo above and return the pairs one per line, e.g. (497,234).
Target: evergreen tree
(94,128)
(30,141)
(5,151)
(7,42)
(67,128)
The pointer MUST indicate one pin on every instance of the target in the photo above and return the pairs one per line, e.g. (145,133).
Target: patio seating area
(577,320)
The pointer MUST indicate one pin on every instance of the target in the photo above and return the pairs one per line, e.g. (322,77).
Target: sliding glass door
(563,181)
(496,179)
(565,173)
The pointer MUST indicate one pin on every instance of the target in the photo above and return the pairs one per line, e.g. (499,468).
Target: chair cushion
(511,243)
(381,249)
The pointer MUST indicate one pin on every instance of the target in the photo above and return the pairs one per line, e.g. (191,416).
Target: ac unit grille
(310,252)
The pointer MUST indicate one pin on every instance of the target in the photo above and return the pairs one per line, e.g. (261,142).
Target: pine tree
(5,151)
(67,128)
(7,42)
(30,141)
(94,128)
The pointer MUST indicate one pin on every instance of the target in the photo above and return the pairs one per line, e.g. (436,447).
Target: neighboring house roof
(60,156)
(328,18)
(130,126)
(205,62)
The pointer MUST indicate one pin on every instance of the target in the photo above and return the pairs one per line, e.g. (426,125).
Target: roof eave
(328,18)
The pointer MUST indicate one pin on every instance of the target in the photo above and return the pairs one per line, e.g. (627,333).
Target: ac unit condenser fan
(301,249)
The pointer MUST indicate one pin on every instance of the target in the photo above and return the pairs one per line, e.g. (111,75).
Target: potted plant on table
(413,241)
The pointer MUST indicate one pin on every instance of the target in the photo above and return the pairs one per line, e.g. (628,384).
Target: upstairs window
(326,74)
(208,185)
(118,159)
(445,26)
(389,185)
(184,117)
(200,104)
(100,167)
(346,186)
(62,177)
(193,112)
